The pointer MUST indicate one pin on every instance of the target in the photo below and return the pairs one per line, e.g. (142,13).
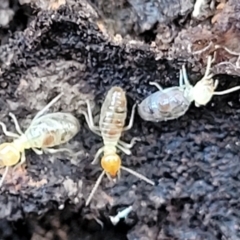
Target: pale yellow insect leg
(130,124)
(95,188)
(37,151)
(53,150)
(89,119)
(89,124)
(119,174)
(4,175)
(125,150)
(129,145)
(138,175)
(96,158)
(17,126)
(7,133)
(114,180)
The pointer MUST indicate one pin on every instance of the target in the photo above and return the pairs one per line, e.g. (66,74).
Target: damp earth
(84,48)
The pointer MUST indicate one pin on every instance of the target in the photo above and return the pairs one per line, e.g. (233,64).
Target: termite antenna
(208,68)
(95,187)
(227,91)
(48,106)
(138,175)
(4,175)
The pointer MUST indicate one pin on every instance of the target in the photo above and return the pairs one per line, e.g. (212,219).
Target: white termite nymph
(44,132)
(111,125)
(171,103)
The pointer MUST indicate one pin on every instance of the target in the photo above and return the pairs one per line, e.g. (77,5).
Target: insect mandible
(171,103)
(45,131)
(111,125)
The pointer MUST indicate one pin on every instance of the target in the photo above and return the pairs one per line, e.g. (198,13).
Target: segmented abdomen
(164,105)
(113,115)
(51,130)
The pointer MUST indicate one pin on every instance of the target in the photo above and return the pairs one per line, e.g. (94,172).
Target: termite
(111,125)
(45,131)
(171,103)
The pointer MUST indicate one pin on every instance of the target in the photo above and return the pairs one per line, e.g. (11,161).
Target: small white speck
(61,207)
(122,214)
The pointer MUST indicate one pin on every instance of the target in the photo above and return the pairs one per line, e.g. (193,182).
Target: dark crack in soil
(193,160)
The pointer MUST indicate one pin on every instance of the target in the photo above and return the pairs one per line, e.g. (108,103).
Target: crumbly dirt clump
(194,160)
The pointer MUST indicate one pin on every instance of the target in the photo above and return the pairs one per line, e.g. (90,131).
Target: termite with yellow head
(171,103)
(44,132)
(111,125)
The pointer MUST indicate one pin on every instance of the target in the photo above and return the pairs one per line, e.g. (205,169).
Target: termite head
(111,164)
(203,91)
(9,155)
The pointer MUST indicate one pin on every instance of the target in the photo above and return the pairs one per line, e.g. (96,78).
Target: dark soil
(193,160)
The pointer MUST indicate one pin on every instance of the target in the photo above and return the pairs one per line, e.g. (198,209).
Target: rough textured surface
(193,160)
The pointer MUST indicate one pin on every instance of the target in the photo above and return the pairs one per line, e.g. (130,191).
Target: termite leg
(95,188)
(119,174)
(48,106)
(7,133)
(37,151)
(23,160)
(125,150)
(110,178)
(96,158)
(17,126)
(156,85)
(89,119)
(129,145)
(130,124)
(4,175)
(53,150)
(89,124)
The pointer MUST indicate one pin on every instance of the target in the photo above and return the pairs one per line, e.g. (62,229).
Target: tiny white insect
(120,215)
(44,132)
(171,103)
(112,120)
